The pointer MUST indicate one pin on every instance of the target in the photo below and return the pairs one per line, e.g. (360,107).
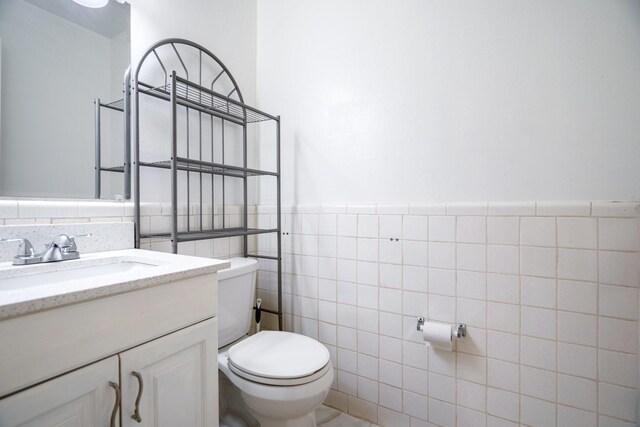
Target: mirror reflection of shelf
(115,105)
(121,105)
(119,169)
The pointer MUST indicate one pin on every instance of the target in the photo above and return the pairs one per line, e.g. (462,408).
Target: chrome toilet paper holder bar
(460,330)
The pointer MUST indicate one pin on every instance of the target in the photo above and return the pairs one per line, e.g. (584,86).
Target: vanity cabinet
(81,398)
(170,381)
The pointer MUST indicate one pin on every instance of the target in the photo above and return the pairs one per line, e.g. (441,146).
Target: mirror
(56,58)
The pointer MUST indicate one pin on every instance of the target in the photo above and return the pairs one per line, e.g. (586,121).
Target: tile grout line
(486,315)
(455,355)
(598,290)
(520,315)
(557,323)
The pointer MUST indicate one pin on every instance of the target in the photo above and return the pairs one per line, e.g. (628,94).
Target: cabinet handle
(136,414)
(116,405)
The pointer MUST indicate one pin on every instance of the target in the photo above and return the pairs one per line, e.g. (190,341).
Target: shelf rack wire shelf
(202,99)
(176,71)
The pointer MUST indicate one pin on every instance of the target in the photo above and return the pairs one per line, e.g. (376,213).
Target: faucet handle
(63,241)
(82,235)
(25,249)
(68,243)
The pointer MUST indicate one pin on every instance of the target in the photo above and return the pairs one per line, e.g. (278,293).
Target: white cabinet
(82,398)
(173,379)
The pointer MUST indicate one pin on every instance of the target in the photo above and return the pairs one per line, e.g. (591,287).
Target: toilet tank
(236,294)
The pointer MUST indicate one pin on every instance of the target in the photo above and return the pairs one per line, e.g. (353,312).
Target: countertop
(18,301)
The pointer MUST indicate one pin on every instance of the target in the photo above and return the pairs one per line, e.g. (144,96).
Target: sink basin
(31,278)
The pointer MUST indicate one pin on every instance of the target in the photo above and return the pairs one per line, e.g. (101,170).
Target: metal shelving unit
(176,71)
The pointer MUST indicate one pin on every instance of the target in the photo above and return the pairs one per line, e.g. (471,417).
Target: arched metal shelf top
(192,92)
(177,41)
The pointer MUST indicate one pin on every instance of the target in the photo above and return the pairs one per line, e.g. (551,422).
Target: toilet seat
(279,381)
(279,358)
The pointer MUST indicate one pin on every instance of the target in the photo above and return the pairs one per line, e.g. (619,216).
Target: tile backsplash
(105,236)
(549,292)
(54,217)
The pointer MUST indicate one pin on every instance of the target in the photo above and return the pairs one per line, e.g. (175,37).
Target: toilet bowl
(282,377)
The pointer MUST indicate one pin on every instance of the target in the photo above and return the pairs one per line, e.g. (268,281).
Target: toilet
(280,377)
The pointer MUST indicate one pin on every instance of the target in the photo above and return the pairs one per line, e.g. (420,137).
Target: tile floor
(330,417)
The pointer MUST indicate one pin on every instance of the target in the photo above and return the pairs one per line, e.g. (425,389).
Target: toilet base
(269,405)
(233,410)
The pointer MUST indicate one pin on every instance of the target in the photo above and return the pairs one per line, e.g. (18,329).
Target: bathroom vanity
(120,338)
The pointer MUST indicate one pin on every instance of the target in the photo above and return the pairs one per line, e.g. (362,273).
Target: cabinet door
(178,376)
(81,398)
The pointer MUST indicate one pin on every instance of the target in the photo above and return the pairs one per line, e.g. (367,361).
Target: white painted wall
(417,100)
(226,27)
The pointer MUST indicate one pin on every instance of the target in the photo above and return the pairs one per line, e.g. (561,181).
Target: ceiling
(108,21)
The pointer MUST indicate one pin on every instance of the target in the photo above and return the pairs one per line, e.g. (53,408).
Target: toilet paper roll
(438,335)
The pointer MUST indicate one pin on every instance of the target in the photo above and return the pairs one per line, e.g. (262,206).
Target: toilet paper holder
(459,330)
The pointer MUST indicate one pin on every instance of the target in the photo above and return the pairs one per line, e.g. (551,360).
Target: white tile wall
(549,292)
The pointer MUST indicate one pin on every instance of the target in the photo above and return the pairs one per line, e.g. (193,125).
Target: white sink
(31,278)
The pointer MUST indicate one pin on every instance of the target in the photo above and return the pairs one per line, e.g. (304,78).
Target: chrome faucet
(25,252)
(61,249)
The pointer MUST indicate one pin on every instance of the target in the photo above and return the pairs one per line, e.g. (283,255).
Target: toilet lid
(279,355)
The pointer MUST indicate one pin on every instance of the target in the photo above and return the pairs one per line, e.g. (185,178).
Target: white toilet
(282,377)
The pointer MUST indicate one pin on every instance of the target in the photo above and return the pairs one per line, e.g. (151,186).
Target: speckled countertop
(143,269)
